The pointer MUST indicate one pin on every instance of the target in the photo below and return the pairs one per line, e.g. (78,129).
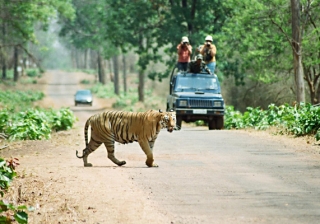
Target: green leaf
(21,217)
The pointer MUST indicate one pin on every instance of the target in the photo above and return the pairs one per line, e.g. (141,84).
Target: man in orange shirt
(184,52)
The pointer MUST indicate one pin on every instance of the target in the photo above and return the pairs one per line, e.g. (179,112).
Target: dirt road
(203,176)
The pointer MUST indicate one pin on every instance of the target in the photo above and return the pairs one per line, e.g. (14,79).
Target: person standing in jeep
(209,51)
(184,53)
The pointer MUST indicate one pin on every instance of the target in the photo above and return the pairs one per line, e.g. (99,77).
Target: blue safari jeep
(196,96)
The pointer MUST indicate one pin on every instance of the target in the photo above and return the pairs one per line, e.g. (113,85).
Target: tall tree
(129,26)
(124,72)
(263,40)
(88,29)
(18,20)
(297,51)
(116,74)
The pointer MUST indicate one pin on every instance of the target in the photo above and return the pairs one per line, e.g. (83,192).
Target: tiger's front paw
(87,165)
(121,163)
(151,164)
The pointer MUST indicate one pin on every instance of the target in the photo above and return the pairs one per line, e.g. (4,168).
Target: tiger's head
(168,120)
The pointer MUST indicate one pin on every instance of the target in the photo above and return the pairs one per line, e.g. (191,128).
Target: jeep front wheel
(212,124)
(219,122)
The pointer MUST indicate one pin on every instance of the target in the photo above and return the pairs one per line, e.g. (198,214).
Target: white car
(83,96)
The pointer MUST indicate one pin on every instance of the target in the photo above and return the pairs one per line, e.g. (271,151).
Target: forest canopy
(259,43)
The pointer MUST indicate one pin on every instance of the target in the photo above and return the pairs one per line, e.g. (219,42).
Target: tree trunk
(110,70)
(141,85)
(73,57)
(78,55)
(297,56)
(116,74)
(101,73)
(141,71)
(3,52)
(86,59)
(15,64)
(124,73)
(192,16)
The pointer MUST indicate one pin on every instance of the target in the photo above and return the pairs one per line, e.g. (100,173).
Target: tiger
(125,127)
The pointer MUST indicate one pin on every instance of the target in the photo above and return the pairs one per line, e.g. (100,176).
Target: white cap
(185,39)
(209,38)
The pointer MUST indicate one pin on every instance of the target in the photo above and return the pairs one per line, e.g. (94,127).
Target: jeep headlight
(182,103)
(217,104)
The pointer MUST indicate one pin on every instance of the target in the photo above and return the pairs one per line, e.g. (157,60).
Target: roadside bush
(19,100)
(35,124)
(33,73)
(10,213)
(29,125)
(62,119)
(298,120)
(103,91)
(4,118)
(29,81)
(85,81)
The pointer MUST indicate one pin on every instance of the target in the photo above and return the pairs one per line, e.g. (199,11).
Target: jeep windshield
(205,83)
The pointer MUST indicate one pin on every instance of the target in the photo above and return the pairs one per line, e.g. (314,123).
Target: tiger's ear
(160,111)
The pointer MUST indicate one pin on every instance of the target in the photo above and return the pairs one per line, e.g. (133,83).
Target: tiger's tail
(86,127)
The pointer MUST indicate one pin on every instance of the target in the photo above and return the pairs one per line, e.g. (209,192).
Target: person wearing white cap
(184,52)
(209,51)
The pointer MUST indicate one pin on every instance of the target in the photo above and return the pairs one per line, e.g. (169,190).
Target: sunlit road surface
(214,176)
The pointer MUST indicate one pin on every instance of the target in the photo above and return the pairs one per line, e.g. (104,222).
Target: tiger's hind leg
(92,146)
(111,156)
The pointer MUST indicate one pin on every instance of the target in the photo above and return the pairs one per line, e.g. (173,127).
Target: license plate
(199,111)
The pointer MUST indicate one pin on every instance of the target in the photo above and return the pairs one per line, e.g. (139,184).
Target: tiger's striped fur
(126,127)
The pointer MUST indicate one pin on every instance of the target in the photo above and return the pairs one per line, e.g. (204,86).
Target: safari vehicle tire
(212,124)
(179,122)
(219,122)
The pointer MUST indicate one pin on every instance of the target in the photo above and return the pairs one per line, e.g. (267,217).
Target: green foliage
(19,100)
(125,26)
(200,123)
(4,118)
(28,81)
(248,52)
(35,124)
(23,15)
(33,73)
(62,119)
(126,101)
(29,125)
(9,74)
(8,211)
(85,81)
(300,120)
(7,174)
(103,91)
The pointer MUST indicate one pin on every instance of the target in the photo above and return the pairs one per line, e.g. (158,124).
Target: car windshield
(192,84)
(83,92)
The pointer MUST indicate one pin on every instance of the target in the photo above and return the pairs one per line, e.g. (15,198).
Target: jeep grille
(201,103)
